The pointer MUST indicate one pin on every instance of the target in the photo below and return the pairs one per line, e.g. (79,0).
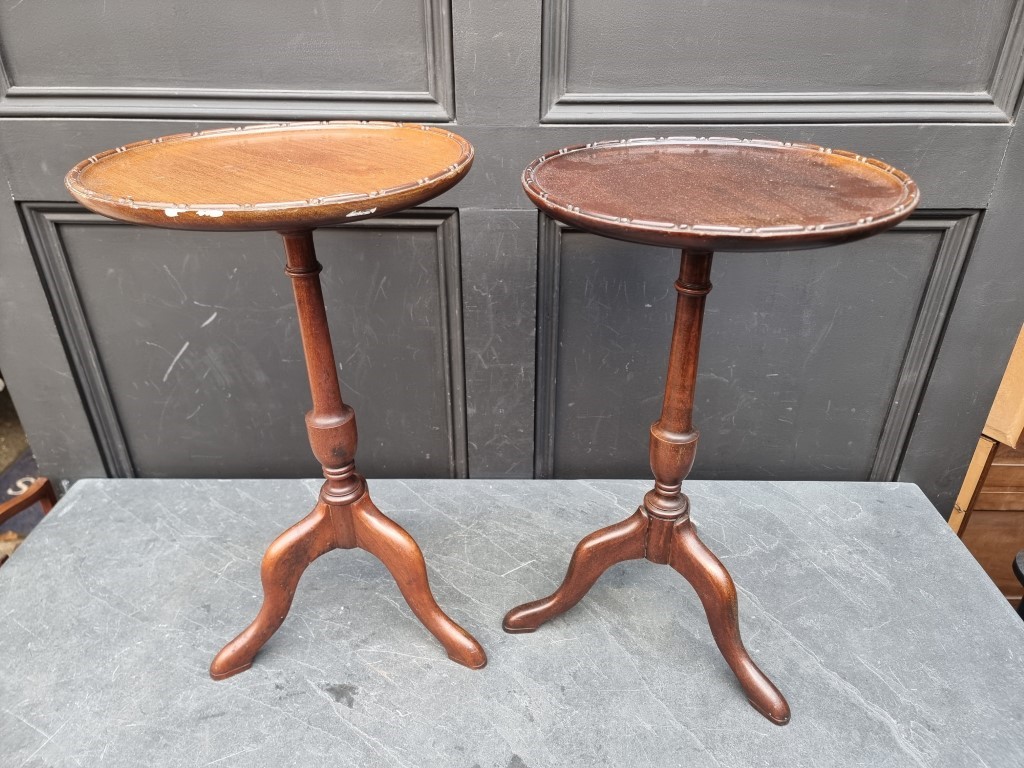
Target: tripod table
(700,195)
(292,178)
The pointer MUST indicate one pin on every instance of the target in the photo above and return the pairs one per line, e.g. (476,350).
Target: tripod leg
(699,566)
(283,565)
(593,556)
(397,550)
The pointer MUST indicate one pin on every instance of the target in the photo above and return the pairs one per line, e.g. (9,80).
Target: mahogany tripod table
(700,195)
(292,178)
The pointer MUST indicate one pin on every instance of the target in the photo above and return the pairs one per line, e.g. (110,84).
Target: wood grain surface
(288,176)
(720,194)
(344,516)
(660,529)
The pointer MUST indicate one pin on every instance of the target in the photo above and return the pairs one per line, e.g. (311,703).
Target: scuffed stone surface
(888,640)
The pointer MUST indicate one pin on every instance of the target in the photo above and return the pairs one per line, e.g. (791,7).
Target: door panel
(803,353)
(727,47)
(475,336)
(198,361)
(834,61)
(228,58)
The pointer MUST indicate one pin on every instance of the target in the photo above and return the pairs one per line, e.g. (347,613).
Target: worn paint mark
(213,213)
(367,212)
(177,357)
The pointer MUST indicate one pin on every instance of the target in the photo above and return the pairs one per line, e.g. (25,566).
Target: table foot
(642,536)
(328,527)
(283,565)
(714,586)
(593,556)
(397,550)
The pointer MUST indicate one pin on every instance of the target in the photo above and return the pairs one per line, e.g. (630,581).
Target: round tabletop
(288,176)
(720,194)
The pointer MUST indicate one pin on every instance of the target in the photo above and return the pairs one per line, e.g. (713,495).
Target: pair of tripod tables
(696,195)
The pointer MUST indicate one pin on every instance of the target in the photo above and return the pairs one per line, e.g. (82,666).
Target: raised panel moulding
(957,228)
(43,222)
(997,103)
(436,104)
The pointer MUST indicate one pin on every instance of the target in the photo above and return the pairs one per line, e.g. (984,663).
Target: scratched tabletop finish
(720,194)
(279,176)
(888,640)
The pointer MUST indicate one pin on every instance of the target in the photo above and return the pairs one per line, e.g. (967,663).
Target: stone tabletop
(890,643)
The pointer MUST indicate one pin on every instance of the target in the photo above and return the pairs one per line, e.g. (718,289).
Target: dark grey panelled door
(476,337)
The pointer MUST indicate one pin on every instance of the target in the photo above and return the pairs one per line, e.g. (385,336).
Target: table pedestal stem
(344,516)
(660,530)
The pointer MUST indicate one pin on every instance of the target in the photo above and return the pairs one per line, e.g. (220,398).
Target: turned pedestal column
(700,195)
(292,179)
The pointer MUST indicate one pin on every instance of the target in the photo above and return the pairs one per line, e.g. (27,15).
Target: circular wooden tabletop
(287,176)
(720,194)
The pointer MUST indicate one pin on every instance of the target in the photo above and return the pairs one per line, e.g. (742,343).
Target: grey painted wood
(957,230)
(840,601)
(35,363)
(297,59)
(878,61)
(195,346)
(497,61)
(42,222)
(499,269)
(497,71)
(956,165)
(977,343)
(802,359)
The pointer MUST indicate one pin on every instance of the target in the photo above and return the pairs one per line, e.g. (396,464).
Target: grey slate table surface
(889,642)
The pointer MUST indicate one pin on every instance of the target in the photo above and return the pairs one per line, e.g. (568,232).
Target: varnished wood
(660,530)
(1007,469)
(702,195)
(989,510)
(673,442)
(993,539)
(344,516)
(1004,426)
(291,176)
(996,515)
(720,194)
(977,470)
(1001,499)
(39,492)
(1005,421)
(595,554)
(714,586)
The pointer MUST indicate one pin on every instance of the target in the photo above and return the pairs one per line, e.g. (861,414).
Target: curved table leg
(283,565)
(594,555)
(397,550)
(345,517)
(699,566)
